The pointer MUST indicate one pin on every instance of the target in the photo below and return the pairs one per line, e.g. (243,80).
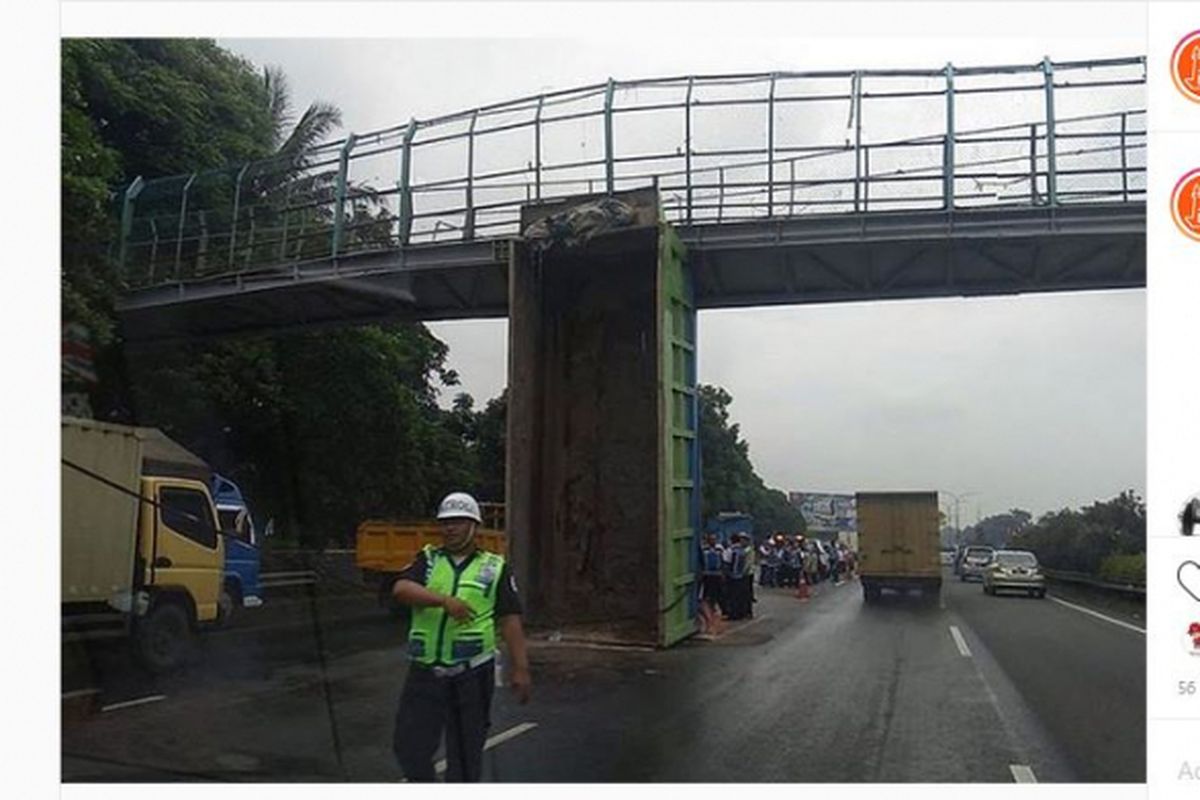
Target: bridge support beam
(601,497)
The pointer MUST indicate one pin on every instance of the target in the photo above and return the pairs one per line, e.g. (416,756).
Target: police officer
(461,596)
(712,584)
(739,603)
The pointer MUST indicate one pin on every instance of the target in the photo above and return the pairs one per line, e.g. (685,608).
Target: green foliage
(169,105)
(488,444)
(140,107)
(998,530)
(729,480)
(321,429)
(1124,569)
(1084,540)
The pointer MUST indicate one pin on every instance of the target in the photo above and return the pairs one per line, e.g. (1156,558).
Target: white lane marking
(960,642)
(1022,773)
(1098,615)
(141,701)
(497,740)
(79,693)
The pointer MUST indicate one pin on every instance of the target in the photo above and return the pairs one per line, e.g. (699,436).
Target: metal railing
(1095,582)
(720,149)
(276,580)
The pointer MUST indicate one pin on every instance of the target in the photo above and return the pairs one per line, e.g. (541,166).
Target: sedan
(1015,570)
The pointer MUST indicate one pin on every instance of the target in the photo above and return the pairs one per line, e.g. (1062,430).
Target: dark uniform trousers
(460,706)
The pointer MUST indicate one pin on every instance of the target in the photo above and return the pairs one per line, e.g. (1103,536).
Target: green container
(602,450)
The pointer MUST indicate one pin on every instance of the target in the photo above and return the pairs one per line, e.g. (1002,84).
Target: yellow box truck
(898,543)
(142,555)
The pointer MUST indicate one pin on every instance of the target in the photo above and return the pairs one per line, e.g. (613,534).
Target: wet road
(978,689)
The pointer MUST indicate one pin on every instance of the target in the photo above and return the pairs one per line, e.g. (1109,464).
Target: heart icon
(1189,578)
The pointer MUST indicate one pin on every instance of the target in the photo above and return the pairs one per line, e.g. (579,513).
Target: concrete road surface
(975,689)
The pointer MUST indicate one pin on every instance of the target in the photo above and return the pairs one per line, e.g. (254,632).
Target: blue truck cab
(727,524)
(240,587)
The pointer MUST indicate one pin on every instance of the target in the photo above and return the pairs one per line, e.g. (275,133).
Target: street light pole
(958,498)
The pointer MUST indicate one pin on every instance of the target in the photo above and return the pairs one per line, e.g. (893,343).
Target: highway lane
(1083,676)
(837,692)
(826,690)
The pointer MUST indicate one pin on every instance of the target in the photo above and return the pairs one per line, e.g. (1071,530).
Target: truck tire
(163,636)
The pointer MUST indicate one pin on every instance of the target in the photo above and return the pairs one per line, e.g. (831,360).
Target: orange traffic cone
(802,592)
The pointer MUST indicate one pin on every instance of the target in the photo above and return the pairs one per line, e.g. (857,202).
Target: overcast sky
(1035,402)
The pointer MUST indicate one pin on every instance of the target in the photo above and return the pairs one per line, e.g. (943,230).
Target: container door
(928,538)
(906,531)
(916,540)
(876,535)
(680,527)
(187,552)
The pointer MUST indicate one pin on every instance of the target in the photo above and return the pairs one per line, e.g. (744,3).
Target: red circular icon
(1185,204)
(1185,66)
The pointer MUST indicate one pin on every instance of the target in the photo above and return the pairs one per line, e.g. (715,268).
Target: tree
(321,429)
(999,529)
(1083,540)
(489,442)
(314,126)
(728,477)
(130,108)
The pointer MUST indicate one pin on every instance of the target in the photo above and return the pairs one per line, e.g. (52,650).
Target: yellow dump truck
(142,555)
(898,543)
(383,548)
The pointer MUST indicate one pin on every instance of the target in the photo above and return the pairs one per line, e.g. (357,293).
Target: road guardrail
(276,580)
(1091,581)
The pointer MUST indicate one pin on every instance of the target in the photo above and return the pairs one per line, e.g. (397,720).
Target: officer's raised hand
(457,609)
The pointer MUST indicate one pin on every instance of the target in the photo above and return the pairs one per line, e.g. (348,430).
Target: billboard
(824,513)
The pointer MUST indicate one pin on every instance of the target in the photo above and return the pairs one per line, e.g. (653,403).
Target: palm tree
(293,141)
(313,127)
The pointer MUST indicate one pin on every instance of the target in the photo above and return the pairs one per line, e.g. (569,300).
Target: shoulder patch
(489,571)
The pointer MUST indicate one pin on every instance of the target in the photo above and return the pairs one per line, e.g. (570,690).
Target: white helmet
(459,505)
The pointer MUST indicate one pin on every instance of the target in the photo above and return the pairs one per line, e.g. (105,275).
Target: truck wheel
(163,636)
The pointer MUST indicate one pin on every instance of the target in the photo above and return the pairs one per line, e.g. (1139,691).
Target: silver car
(975,561)
(1015,570)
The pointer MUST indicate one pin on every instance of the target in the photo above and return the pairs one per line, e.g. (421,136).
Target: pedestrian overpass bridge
(784,188)
(746,190)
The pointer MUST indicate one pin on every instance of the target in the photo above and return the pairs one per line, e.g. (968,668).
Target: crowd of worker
(727,571)
(790,560)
